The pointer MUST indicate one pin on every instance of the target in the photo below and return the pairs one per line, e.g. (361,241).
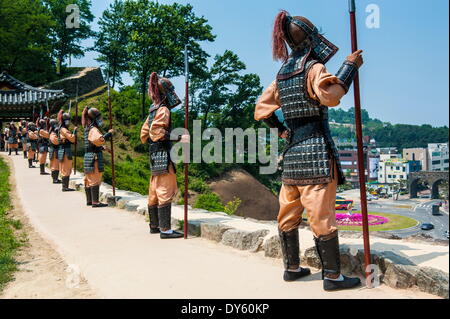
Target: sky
(404,79)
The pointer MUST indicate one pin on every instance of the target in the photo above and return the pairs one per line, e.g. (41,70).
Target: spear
(113,168)
(359,139)
(76,139)
(186,127)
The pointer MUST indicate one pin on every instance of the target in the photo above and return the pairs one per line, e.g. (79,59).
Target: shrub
(209,201)
(232,206)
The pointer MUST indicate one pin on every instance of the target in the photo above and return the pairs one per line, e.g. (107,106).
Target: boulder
(272,247)
(244,240)
(311,258)
(213,231)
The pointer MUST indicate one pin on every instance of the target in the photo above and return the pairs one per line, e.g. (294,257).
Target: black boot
(328,251)
(25,154)
(95,191)
(290,248)
(65,184)
(30,164)
(55,175)
(154,220)
(9,152)
(17,151)
(43,172)
(165,216)
(88,192)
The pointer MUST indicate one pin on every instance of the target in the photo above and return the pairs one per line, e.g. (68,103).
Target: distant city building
(387,150)
(391,170)
(349,163)
(417,154)
(438,157)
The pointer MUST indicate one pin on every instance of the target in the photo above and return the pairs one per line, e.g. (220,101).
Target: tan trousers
(94,178)
(65,167)
(54,163)
(31,154)
(24,146)
(42,158)
(13,146)
(319,202)
(162,188)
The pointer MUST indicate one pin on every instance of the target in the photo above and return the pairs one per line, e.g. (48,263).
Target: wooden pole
(113,167)
(76,137)
(359,139)
(186,126)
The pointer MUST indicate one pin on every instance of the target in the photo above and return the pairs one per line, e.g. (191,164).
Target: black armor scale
(159,151)
(64,148)
(311,153)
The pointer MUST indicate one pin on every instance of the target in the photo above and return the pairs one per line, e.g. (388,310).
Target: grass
(396,222)
(8,241)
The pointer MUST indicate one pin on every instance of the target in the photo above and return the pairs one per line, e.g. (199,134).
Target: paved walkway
(119,259)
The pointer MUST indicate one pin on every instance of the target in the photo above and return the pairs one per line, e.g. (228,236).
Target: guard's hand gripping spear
(359,139)
(113,168)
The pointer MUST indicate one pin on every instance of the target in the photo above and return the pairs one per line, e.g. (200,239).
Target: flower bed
(356,220)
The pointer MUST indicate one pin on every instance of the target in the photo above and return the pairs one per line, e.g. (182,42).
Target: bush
(210,201)
(232,206)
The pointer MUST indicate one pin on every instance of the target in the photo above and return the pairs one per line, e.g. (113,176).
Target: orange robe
(32,136)
(162,188)
(318,200)
(43,155)
(54,163)
(65,166)
(94,178)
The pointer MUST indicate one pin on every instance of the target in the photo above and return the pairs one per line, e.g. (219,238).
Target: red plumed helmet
(153,88)
(279,47)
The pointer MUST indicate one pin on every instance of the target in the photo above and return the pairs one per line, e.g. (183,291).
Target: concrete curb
(259,236)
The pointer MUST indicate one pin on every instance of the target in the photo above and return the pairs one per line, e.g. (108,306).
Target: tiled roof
(23,94)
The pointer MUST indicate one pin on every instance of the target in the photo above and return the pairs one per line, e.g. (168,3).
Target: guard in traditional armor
(94,144)
(32,145)
(311,170)
(23,137)
(53,146)
(66,139)
(156,131)
(43,143)
(13,136)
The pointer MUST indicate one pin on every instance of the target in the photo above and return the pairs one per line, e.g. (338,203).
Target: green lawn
(395,222)
(8,242)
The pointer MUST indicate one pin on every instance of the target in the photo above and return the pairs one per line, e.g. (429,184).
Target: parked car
(435,210)
(427,226)
(447,234)
(344,204)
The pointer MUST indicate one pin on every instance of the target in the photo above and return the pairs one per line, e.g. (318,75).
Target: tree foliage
(26,50)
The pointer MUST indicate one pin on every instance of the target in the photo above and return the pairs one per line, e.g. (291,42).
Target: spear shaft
(186,127)
(113,167)
(359,139)
(76,138)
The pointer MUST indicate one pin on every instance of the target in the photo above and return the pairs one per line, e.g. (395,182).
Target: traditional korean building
(19,100)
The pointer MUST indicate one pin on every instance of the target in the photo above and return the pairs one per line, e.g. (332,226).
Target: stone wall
(87,80)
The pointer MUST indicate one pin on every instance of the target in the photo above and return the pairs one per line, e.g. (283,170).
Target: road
(114,252)
(418,210)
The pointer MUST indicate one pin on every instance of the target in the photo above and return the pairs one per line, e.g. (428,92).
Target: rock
(213,231)
(112,200)
(349,263)
(272,247)
(433,281)
(142,211)
(311,258)
(244,240)
(401,276)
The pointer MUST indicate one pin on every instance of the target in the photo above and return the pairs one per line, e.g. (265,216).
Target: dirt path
(42,273)
(112,249)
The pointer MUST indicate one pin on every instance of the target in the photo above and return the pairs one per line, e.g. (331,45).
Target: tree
(157,36)
(66,39)
(226,98)
(111,41)
(25,48)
